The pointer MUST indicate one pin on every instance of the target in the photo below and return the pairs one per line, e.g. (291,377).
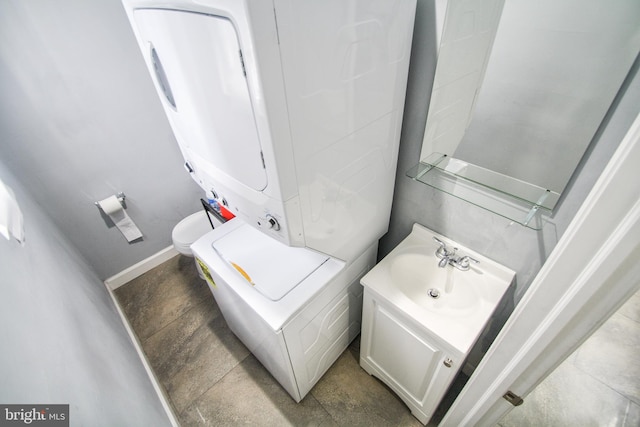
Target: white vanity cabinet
(424,307)
(412,361)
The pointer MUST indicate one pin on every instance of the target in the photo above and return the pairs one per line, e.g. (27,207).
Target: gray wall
(62,339)
(519,248)
(80,121)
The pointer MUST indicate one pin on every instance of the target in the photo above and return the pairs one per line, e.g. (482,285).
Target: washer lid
(271,267)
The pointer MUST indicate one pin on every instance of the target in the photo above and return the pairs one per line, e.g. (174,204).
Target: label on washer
(205,272)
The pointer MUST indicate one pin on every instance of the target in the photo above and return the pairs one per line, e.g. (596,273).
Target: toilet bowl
(189,230)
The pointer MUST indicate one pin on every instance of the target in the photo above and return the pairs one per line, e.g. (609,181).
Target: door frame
(591,272)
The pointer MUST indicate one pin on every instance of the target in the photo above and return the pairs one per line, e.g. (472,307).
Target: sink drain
(433,293)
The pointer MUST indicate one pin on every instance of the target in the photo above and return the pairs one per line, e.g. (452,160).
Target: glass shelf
(516,200)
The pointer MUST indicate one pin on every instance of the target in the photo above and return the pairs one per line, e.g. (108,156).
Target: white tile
(633,415)
(567,397)
(611,356)
(631,308)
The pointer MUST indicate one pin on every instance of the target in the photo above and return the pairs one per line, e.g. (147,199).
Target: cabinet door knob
(448,362)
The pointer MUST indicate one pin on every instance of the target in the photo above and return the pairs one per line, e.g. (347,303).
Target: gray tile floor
(598,385)
(212,379)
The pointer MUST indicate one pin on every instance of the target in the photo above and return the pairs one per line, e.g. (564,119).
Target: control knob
(272,223)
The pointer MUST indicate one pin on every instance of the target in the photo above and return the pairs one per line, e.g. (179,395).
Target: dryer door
(197,62)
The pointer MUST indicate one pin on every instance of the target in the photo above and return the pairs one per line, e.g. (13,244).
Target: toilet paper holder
(121,198)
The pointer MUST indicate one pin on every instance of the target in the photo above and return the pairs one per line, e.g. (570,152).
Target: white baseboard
(164,400)
(140,268)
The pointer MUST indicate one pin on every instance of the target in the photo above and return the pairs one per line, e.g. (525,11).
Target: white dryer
(289,113)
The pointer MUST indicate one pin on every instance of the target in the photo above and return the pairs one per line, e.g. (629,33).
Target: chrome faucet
(445,260)
(447,256)
(464,262)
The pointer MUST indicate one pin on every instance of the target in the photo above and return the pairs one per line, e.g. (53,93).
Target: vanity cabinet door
(402,355)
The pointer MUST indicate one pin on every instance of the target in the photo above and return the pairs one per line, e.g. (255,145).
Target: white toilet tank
(189,230)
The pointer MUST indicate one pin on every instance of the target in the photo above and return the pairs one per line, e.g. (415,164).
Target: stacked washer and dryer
(289,113)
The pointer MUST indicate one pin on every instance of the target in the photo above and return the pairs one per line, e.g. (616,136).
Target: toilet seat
(190,229)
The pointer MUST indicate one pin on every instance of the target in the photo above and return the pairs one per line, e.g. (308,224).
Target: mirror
(522,86)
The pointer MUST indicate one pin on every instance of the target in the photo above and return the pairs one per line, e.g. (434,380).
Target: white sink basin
(447,291)
(453,304)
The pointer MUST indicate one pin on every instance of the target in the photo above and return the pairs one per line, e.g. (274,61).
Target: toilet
(189,230)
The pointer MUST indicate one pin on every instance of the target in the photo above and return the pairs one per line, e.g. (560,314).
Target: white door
(200,76)
(591,272)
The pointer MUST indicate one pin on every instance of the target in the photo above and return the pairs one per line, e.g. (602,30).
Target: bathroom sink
(451,303)
(447,291)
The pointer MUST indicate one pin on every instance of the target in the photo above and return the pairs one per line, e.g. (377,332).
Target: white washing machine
(294,308)
(289,113)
